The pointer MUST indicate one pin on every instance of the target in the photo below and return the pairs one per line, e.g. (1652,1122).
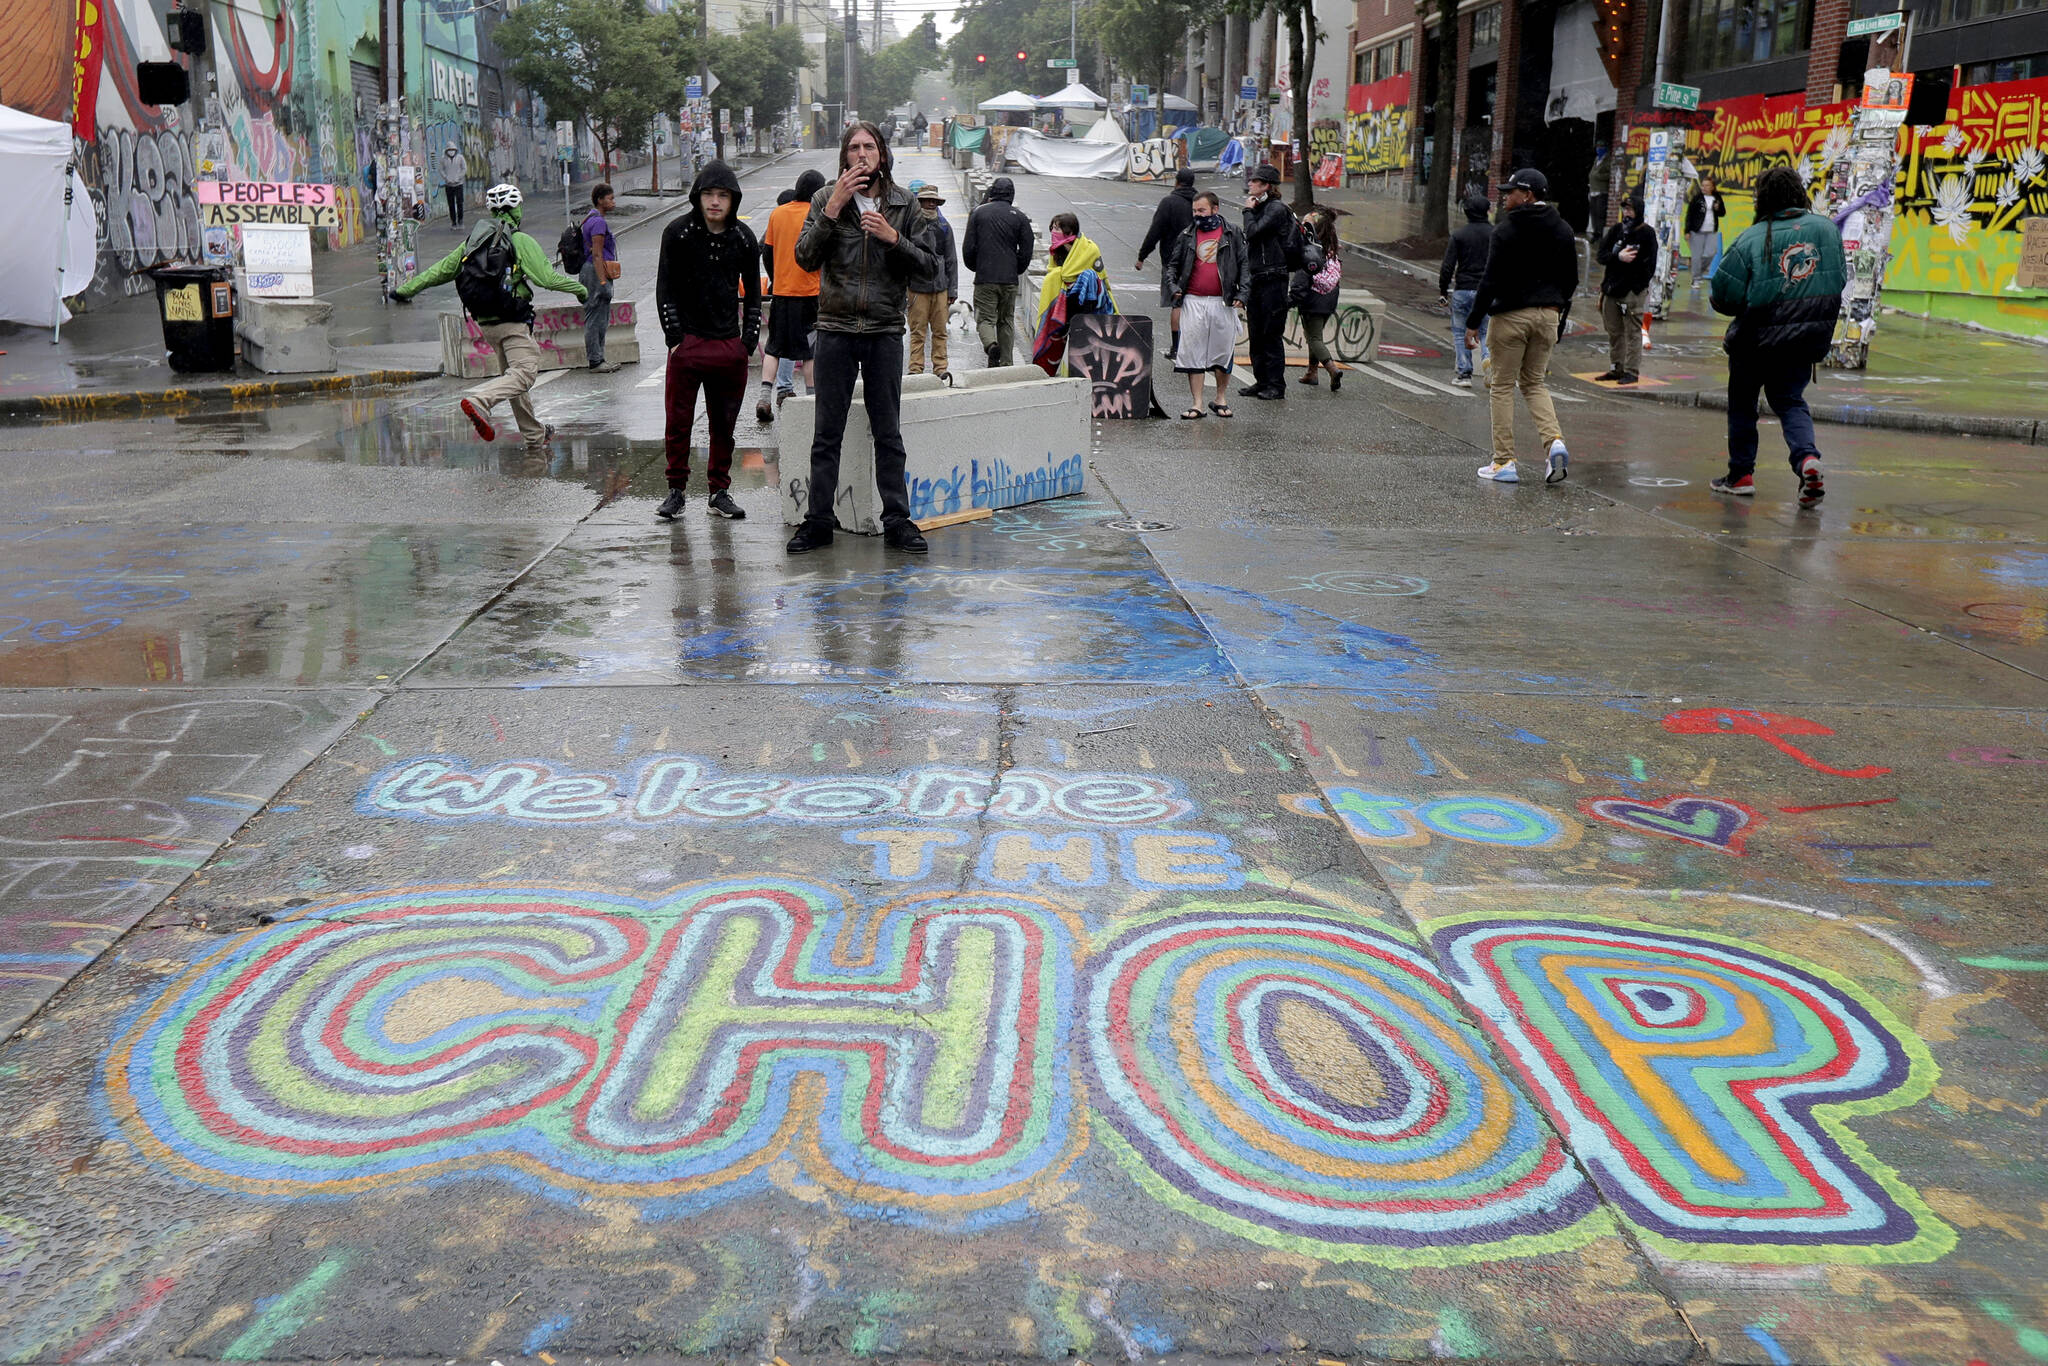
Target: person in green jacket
(1782,284)
(503,313)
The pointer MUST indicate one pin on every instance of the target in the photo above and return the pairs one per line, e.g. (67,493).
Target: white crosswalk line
(654,378)
(1385,378)
(1424,380)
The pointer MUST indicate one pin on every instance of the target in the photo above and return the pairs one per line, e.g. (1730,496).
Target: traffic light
(1020,56)
(981,59)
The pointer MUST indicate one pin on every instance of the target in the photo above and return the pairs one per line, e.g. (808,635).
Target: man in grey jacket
(866,238)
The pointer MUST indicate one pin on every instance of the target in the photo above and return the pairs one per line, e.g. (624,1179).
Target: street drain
(1138,524)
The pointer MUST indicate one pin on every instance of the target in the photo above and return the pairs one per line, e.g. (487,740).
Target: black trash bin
(197,305)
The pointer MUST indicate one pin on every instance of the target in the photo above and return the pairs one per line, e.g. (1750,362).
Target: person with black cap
(1267,225)
(707,290)
(1629,251)
(1169,221)
(1464,263)
(1526,292)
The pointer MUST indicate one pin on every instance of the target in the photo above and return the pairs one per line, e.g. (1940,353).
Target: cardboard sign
(225,202)
(279,260)
(2033,267)
(1889,90)
(181,305)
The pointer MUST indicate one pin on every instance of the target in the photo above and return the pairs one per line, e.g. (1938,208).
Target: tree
(1436,199)
(1298,17)
(601,63)
(755,67)
(1000,29)
(1146,36)
(889,77)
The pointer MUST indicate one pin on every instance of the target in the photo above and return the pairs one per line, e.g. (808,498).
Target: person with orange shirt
(793,303)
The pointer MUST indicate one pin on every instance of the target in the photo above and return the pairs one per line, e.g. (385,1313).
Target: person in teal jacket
(1782,284)
(509,328)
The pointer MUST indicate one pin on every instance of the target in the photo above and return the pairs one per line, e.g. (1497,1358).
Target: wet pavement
(1366,914)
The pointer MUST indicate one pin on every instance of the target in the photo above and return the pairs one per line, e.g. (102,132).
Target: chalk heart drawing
(1284,1073)
(1705,1086)
(1310,1083)
(909,1058)
(1709,822)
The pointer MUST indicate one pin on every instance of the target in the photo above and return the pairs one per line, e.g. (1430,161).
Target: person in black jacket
(707,290)
(997,248)
(1267,225)
(1458,281)
(1315,296)
(1629,251)
(1169,221)
(1531,275)
(1705,211)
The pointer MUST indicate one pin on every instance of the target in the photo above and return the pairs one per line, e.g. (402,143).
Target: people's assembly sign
(223,203)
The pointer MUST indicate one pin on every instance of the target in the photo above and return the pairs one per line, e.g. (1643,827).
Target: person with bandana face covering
(1205,269)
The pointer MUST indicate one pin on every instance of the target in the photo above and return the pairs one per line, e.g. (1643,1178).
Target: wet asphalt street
(447,914)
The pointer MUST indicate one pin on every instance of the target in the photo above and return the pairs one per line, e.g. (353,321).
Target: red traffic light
(1020,56)
(981,57)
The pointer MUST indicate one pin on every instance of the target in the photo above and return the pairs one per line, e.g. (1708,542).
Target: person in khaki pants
(1531,275)
(932,293)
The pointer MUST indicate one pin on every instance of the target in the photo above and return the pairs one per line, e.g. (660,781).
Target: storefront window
(1735,32)
(1962,11)
(2028,68)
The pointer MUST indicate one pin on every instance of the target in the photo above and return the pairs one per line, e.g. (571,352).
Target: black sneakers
(905,536)
(809,536)
(764,411)
(671,506)
(722,505)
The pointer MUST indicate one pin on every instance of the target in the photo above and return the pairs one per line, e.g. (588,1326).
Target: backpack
(569,247)
(484,279)
(1303,251)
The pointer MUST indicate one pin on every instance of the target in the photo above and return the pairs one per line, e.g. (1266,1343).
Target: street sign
(693,89)
(1247,89)
(1060,63)
(1671,96)
(1140,93)
(1877,23)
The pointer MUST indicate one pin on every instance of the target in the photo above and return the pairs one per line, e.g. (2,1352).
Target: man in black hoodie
(866,237)
(997,248)
(1531,274)
(708,292)
(1458,281)
(1629,251)
(1169,221)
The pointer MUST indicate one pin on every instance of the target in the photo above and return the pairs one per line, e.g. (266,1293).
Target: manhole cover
(1137,524)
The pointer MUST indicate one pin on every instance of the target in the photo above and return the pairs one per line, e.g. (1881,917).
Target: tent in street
(1073,97)
(1009,102)
(50,250)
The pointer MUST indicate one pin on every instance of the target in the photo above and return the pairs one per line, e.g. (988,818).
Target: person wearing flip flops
(1205,268)
(495,270)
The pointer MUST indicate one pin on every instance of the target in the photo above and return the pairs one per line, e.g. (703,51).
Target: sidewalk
(1923,376)
(112,358)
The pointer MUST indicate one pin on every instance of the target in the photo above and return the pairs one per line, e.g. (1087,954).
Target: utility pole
(852,35)
(704,79)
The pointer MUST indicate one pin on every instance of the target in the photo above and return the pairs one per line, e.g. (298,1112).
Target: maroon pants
(721,367)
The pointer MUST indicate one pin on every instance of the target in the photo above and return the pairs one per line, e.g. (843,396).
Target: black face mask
(1208,222)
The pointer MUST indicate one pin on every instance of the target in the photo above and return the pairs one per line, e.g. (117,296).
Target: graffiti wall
(1376,126)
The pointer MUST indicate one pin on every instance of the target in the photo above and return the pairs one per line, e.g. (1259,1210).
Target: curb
(2025,430)
(106,402)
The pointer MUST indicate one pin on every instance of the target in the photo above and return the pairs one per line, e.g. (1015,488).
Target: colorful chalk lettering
(1706,1085)
(1709,822)
(1768,726)
(679,789)
(1471,818)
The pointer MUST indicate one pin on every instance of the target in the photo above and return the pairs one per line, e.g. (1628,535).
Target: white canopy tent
(1010,102)
(1073,97)
(1179,105)
(1104,154)
(49,255)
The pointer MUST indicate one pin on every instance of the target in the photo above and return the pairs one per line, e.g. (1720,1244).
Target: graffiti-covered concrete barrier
(285,336)
(558,331)
(1001,438)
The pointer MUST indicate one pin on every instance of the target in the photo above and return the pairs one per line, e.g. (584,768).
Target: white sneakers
(1501,474)
(1554,471)
(1559,458)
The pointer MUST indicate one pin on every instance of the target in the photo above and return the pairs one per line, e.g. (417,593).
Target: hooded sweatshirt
(1629,277)
(1082,255)
(1534,264)
(530,265)
(997,247)
(702,272)
(1471,244)
(1169,221)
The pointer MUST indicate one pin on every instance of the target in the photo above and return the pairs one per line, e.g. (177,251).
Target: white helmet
(502,197)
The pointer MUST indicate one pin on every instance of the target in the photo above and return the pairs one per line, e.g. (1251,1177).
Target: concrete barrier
(997,439)
(557,330)
(285,336)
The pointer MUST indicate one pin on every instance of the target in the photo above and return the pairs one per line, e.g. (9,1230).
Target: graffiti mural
(1964,188)
(1377,124)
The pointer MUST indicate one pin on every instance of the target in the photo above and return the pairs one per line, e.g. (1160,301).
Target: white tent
(1179,105)
(1073,97)
(35,159)
(1092,156)
(1010,102)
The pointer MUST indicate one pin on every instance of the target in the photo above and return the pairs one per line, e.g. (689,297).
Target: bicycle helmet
(502,197)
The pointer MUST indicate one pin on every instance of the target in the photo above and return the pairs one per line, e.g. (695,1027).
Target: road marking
(655,377)
(1383,377)
(1424,380)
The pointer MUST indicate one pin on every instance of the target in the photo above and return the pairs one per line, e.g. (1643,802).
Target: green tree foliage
(608,64)
(1304,35)
(888,78)
(756,67)
(1000,29)
(1146,37)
